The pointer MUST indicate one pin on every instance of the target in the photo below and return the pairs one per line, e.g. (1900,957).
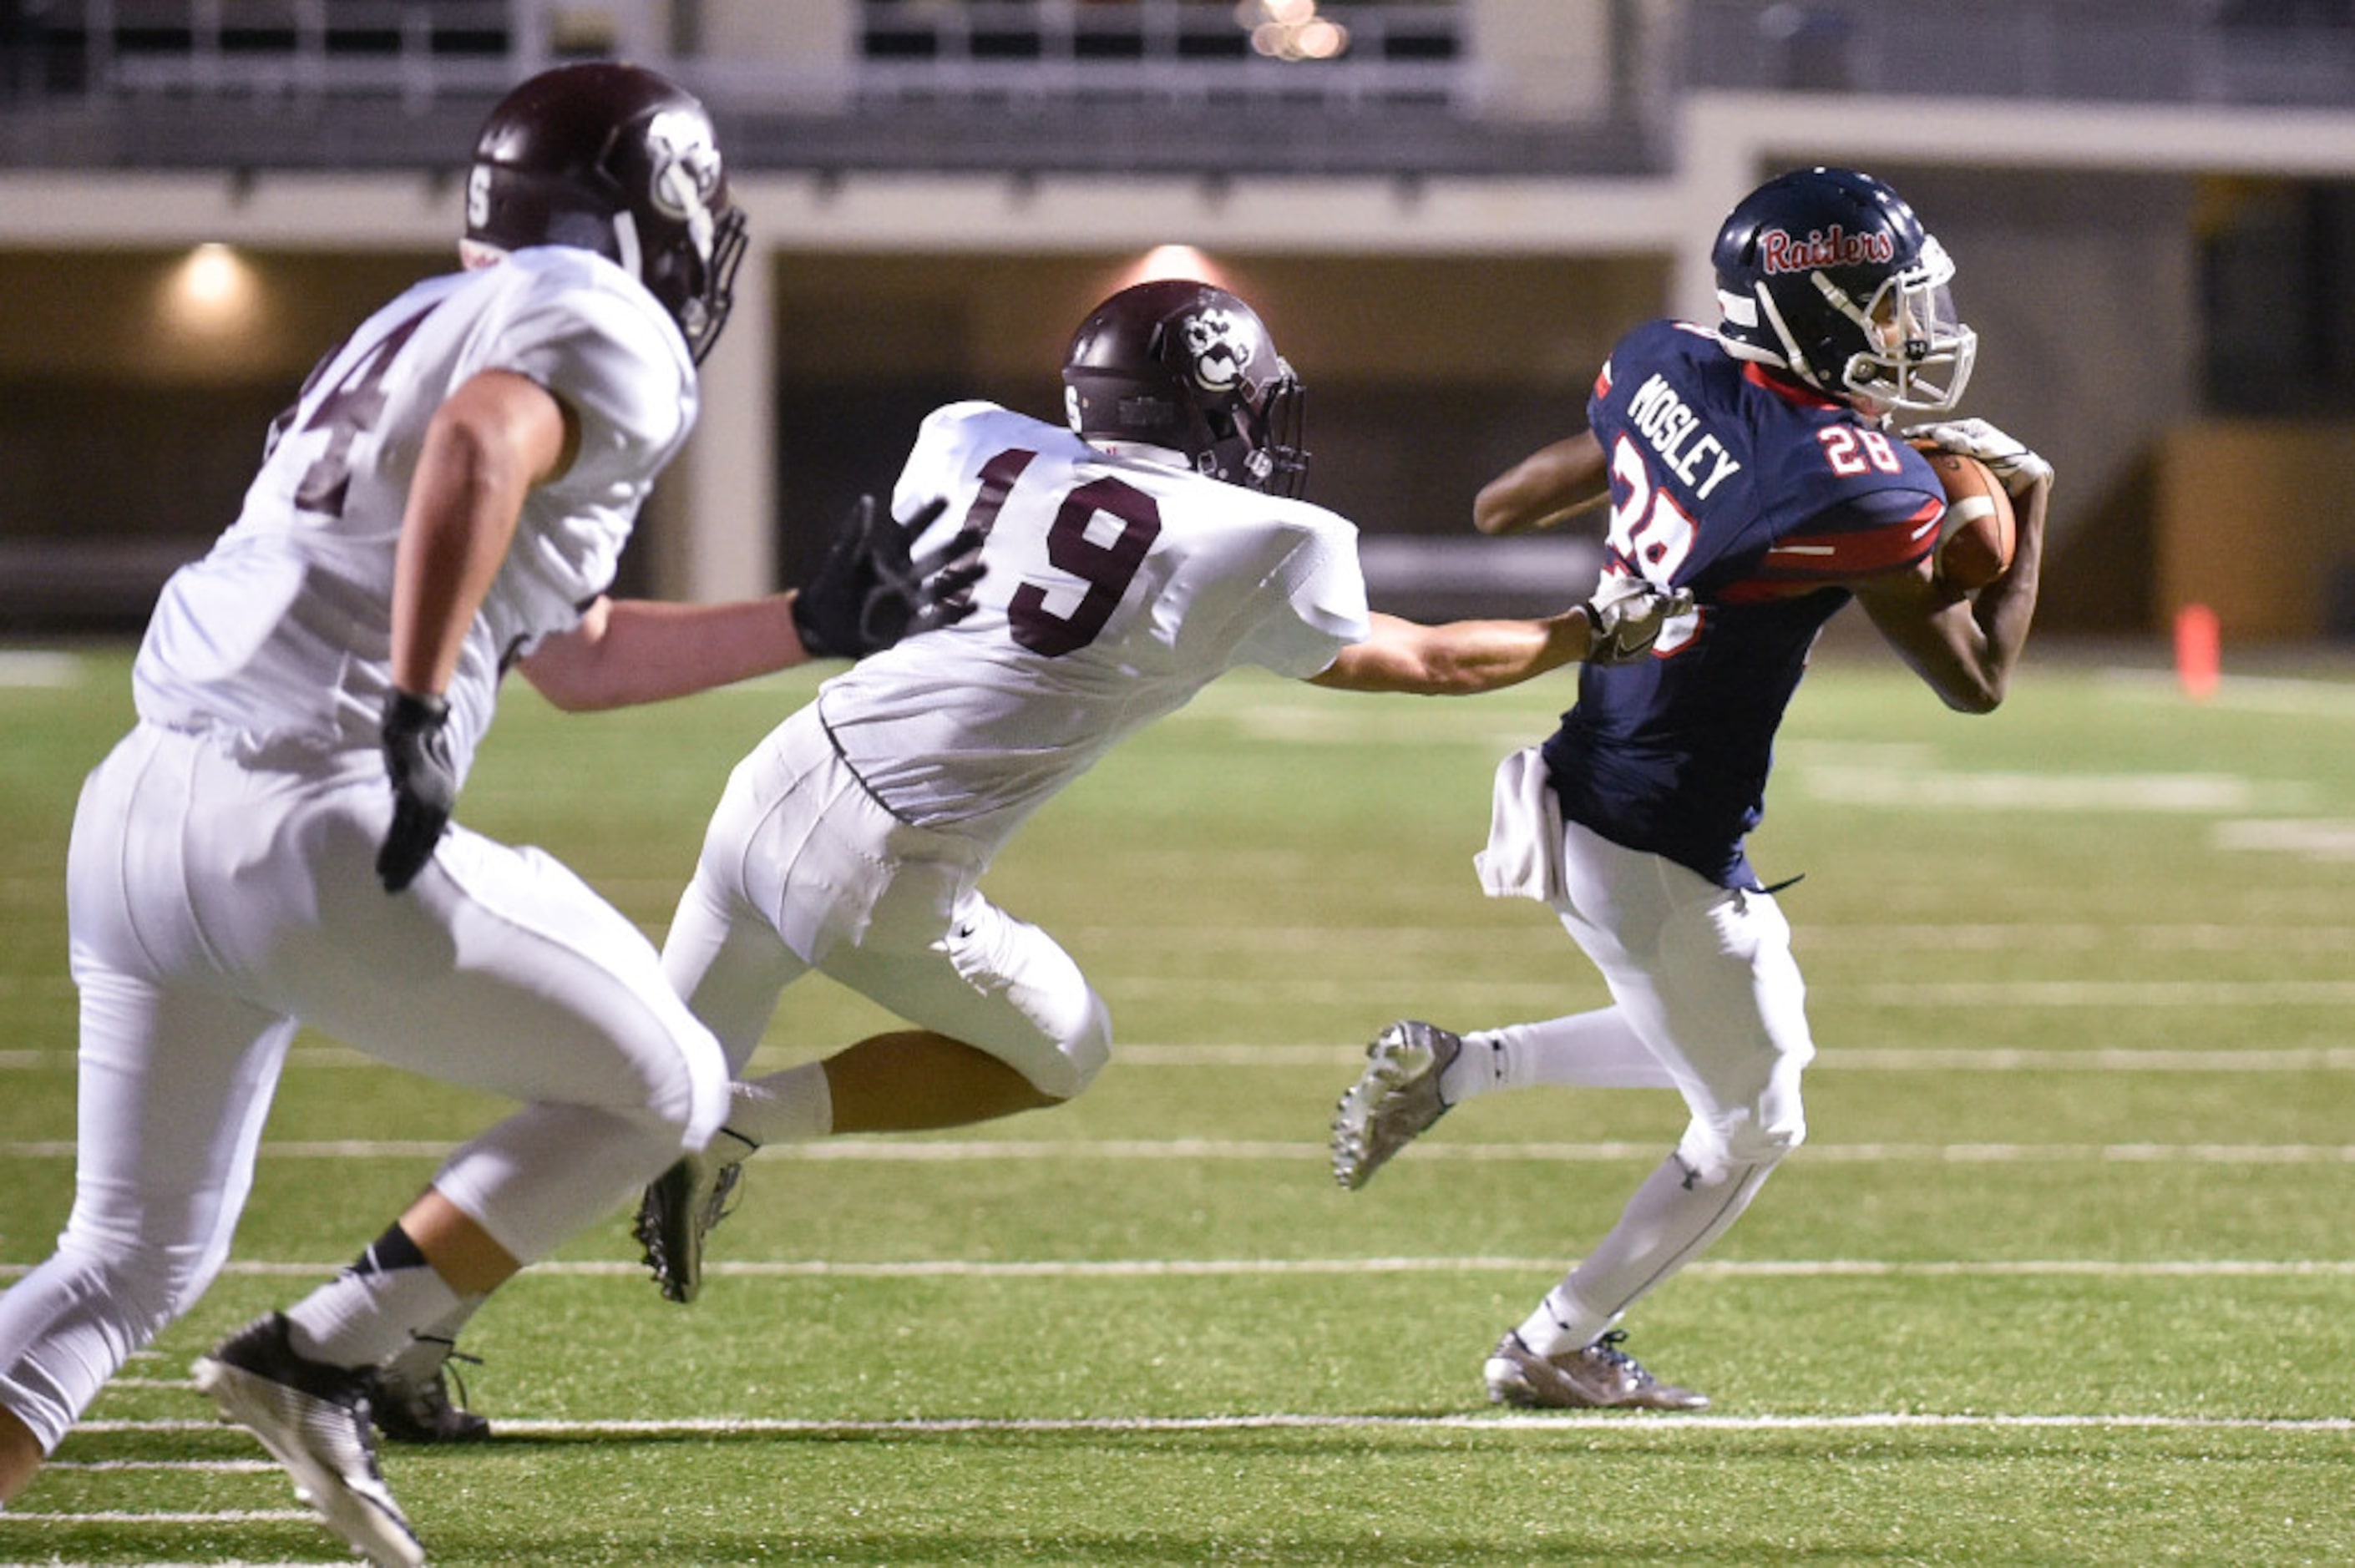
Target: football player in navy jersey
(1753,464)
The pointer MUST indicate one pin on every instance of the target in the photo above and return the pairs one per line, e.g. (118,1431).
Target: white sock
(1477,1068)
(368,1311)
(432,1345)
(1669,1221)
(792,1107)
(1597,1049)
(1562,1323)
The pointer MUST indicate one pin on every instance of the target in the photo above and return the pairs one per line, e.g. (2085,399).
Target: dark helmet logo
(1219,347)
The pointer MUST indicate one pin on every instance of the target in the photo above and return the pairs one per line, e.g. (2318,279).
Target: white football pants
(1702,979)
(214,908)
(802,869)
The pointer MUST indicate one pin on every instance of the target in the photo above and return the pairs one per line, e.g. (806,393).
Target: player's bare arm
(630,651)
(1618,622)
(1551,484)
(1965,648)
(1461,658)
(868,593)
(491,441)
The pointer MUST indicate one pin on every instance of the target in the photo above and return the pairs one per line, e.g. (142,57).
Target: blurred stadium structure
(1448,207)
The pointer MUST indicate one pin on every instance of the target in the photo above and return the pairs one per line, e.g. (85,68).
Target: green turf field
(2064,1274)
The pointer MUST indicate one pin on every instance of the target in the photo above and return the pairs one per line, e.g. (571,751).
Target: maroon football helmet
(1191,367)
(614,159)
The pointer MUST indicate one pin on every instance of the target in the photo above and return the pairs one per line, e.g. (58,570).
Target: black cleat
(409,1395)
(315,1419)
(681,1207)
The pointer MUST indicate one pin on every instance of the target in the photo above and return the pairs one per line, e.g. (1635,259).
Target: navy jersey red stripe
(1763,498)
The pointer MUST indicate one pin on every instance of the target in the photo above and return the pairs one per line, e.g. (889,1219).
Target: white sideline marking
(2257,693)
(1161,1269)
(1181,1267)
(2326,839)
(1546,997)
(2106,994)
(1912,788)
(125,1516)
(38,667)
(961,1152)
(201,1466)
(1835,1058)
(1595,1420)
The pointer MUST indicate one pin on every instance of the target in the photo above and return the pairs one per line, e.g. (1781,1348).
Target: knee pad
(1712,1151)
(1079,1055)
(80,1316)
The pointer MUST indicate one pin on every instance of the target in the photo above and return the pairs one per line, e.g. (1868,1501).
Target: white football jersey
(1116,589)
(280,640)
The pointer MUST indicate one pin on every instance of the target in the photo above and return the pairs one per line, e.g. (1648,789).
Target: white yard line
(127,1516)
(1008,1149)
(1163,1269)
(1836,1059)
(198,1467)
(38,667)
(1511,1423)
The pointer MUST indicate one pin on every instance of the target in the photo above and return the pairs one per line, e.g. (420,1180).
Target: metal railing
(417,50)
(420,50)
(2083,52)
(1164,49)
(1106,84)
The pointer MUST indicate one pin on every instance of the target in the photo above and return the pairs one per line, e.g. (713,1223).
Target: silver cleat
(1600,1377)
(1394,1101)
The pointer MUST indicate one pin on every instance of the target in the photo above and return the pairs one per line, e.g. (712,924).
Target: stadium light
(212,291)
(1174,261)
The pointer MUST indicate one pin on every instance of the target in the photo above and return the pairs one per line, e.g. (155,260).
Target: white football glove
(1626,615)
(2021,470)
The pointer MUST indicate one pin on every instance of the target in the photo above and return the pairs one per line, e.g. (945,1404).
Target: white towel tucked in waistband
(1523,859)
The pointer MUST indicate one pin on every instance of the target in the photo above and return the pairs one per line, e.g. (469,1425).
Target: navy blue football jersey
(1762,497)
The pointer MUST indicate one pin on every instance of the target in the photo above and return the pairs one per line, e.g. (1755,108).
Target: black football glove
(868,593)
(424,784)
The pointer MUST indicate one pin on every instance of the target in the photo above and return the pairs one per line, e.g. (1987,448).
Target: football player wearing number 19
(270,846)
(1131,558)
(1750,464)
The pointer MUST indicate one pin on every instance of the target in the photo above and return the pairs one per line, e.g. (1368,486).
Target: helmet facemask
(671,179)
(1921,355)
(1275,464)
(696,282)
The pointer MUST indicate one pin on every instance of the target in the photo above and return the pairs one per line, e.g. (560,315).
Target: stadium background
(1447,222)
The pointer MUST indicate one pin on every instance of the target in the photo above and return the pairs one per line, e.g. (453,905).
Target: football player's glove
(1624,617)
(869,592)
(2021,470)
(424,784)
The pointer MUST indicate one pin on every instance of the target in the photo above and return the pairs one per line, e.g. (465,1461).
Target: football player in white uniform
(270,846)
(1131,559)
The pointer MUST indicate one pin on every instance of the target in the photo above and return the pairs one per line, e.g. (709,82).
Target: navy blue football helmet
(1189,367)
(615,159)
(1826,274)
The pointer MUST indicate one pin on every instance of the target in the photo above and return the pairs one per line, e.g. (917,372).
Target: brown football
(1976,542)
